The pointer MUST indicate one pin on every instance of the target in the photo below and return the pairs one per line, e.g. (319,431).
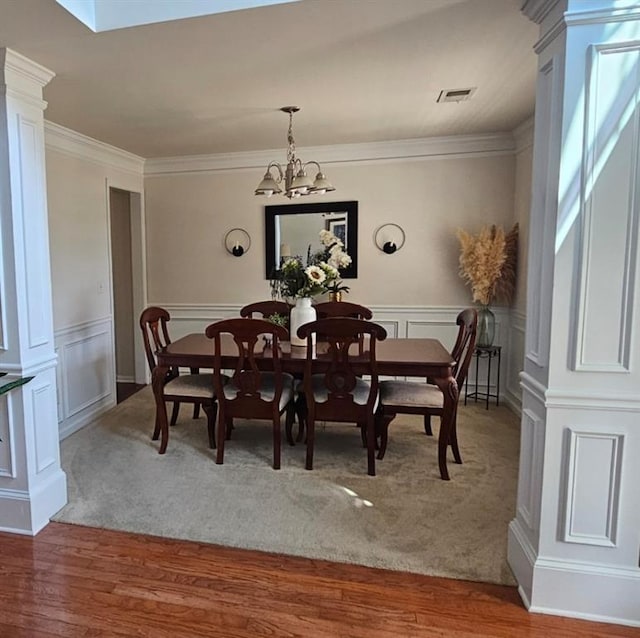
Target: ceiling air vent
(456,95)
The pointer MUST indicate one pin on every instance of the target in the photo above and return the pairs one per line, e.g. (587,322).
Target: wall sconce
(237,242)
(389,238)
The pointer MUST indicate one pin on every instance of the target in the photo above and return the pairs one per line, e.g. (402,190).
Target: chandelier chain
(291,150)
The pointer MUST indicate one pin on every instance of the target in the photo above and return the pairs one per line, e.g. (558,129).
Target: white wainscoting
(85,373)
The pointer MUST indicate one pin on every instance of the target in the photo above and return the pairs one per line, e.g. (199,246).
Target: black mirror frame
(351,208)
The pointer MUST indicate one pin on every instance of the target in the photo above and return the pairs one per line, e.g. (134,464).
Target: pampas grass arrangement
(488,263)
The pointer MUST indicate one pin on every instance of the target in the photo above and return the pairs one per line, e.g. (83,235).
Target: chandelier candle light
(296,181)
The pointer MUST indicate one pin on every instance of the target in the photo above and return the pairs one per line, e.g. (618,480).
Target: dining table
(396,357)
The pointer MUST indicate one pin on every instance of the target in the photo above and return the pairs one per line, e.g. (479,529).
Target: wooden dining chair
(266,309)
(411,397)
(251,393)
(341,393)
(327,309)
(192,388)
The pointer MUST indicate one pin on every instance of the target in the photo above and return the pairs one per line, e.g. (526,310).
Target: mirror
(292,228)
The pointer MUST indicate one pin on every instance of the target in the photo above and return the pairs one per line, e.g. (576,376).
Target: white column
(32,484)
(574,544)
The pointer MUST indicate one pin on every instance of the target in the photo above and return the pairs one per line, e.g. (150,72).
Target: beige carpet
(405,518)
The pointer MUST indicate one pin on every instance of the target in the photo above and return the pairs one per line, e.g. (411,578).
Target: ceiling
(361,71)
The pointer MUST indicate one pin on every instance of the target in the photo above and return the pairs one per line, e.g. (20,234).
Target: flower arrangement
(320,274)
(488,263)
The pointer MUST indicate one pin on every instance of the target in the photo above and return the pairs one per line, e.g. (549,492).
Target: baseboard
(571,588)
(582,590)
(23,512)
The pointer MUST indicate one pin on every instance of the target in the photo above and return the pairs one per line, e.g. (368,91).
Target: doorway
(127,285)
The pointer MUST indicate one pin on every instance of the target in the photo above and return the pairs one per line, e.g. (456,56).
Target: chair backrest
(465,344)
(155,335)
(252,391)
(267,308)
(328,309)
(346,365)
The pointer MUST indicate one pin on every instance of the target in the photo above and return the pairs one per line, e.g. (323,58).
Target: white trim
(423,148)
(621,402)
(523,135)
(533,387)
(69,142)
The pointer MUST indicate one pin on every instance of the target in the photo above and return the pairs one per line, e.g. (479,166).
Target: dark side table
(489,353)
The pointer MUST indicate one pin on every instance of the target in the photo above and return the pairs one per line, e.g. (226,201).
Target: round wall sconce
(389,238)
(237,242)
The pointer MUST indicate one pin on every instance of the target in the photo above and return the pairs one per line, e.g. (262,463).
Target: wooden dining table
(395,357)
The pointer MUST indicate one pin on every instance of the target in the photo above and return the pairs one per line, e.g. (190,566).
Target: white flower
(315,274)
(327,238)
(338,258)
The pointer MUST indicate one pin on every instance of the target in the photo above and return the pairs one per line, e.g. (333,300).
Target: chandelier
(296,181)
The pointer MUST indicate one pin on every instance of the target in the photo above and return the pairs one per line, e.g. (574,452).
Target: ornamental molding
(412,149)
(538,10)
(64,140)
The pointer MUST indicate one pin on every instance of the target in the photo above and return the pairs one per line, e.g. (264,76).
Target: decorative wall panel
(36,250)
(531,451)
(6,439)
(609,239)
(594,464)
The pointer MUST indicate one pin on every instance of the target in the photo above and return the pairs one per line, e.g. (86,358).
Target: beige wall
(78,232)
(188,215)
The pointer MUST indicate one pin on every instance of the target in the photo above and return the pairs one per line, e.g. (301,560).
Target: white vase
(303,312)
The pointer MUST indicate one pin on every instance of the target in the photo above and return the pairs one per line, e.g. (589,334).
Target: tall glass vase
(303,312)
(486,327)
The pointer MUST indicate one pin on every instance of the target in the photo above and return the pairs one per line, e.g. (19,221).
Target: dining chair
(266,309)
(341,393)
(251,393)
(327,309)
(192,388)
(411,397)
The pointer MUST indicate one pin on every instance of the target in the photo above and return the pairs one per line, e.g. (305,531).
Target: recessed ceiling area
(105,15)
(361,71)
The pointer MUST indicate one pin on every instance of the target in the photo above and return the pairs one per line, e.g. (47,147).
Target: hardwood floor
(125,390)
(84,582)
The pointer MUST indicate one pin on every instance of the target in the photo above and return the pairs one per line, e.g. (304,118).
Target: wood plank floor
(83,582)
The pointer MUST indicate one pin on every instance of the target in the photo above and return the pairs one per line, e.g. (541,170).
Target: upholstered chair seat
(417,395)
(192,385)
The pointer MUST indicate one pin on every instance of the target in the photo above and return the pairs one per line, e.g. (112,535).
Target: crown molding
(538,10)
(14,63)
(523,135)
(422,148)
(64,140)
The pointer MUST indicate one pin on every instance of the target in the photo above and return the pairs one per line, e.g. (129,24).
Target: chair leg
(221,435)
(211,411)
(290,417)
(371,446)
(427,425)
(301,413)
(196,410)
(277,441)
(311,431)
(229,429)
(156,429)
(453,439)
(382,427)
(174,413)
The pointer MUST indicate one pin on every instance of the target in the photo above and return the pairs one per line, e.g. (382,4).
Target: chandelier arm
(279,168)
